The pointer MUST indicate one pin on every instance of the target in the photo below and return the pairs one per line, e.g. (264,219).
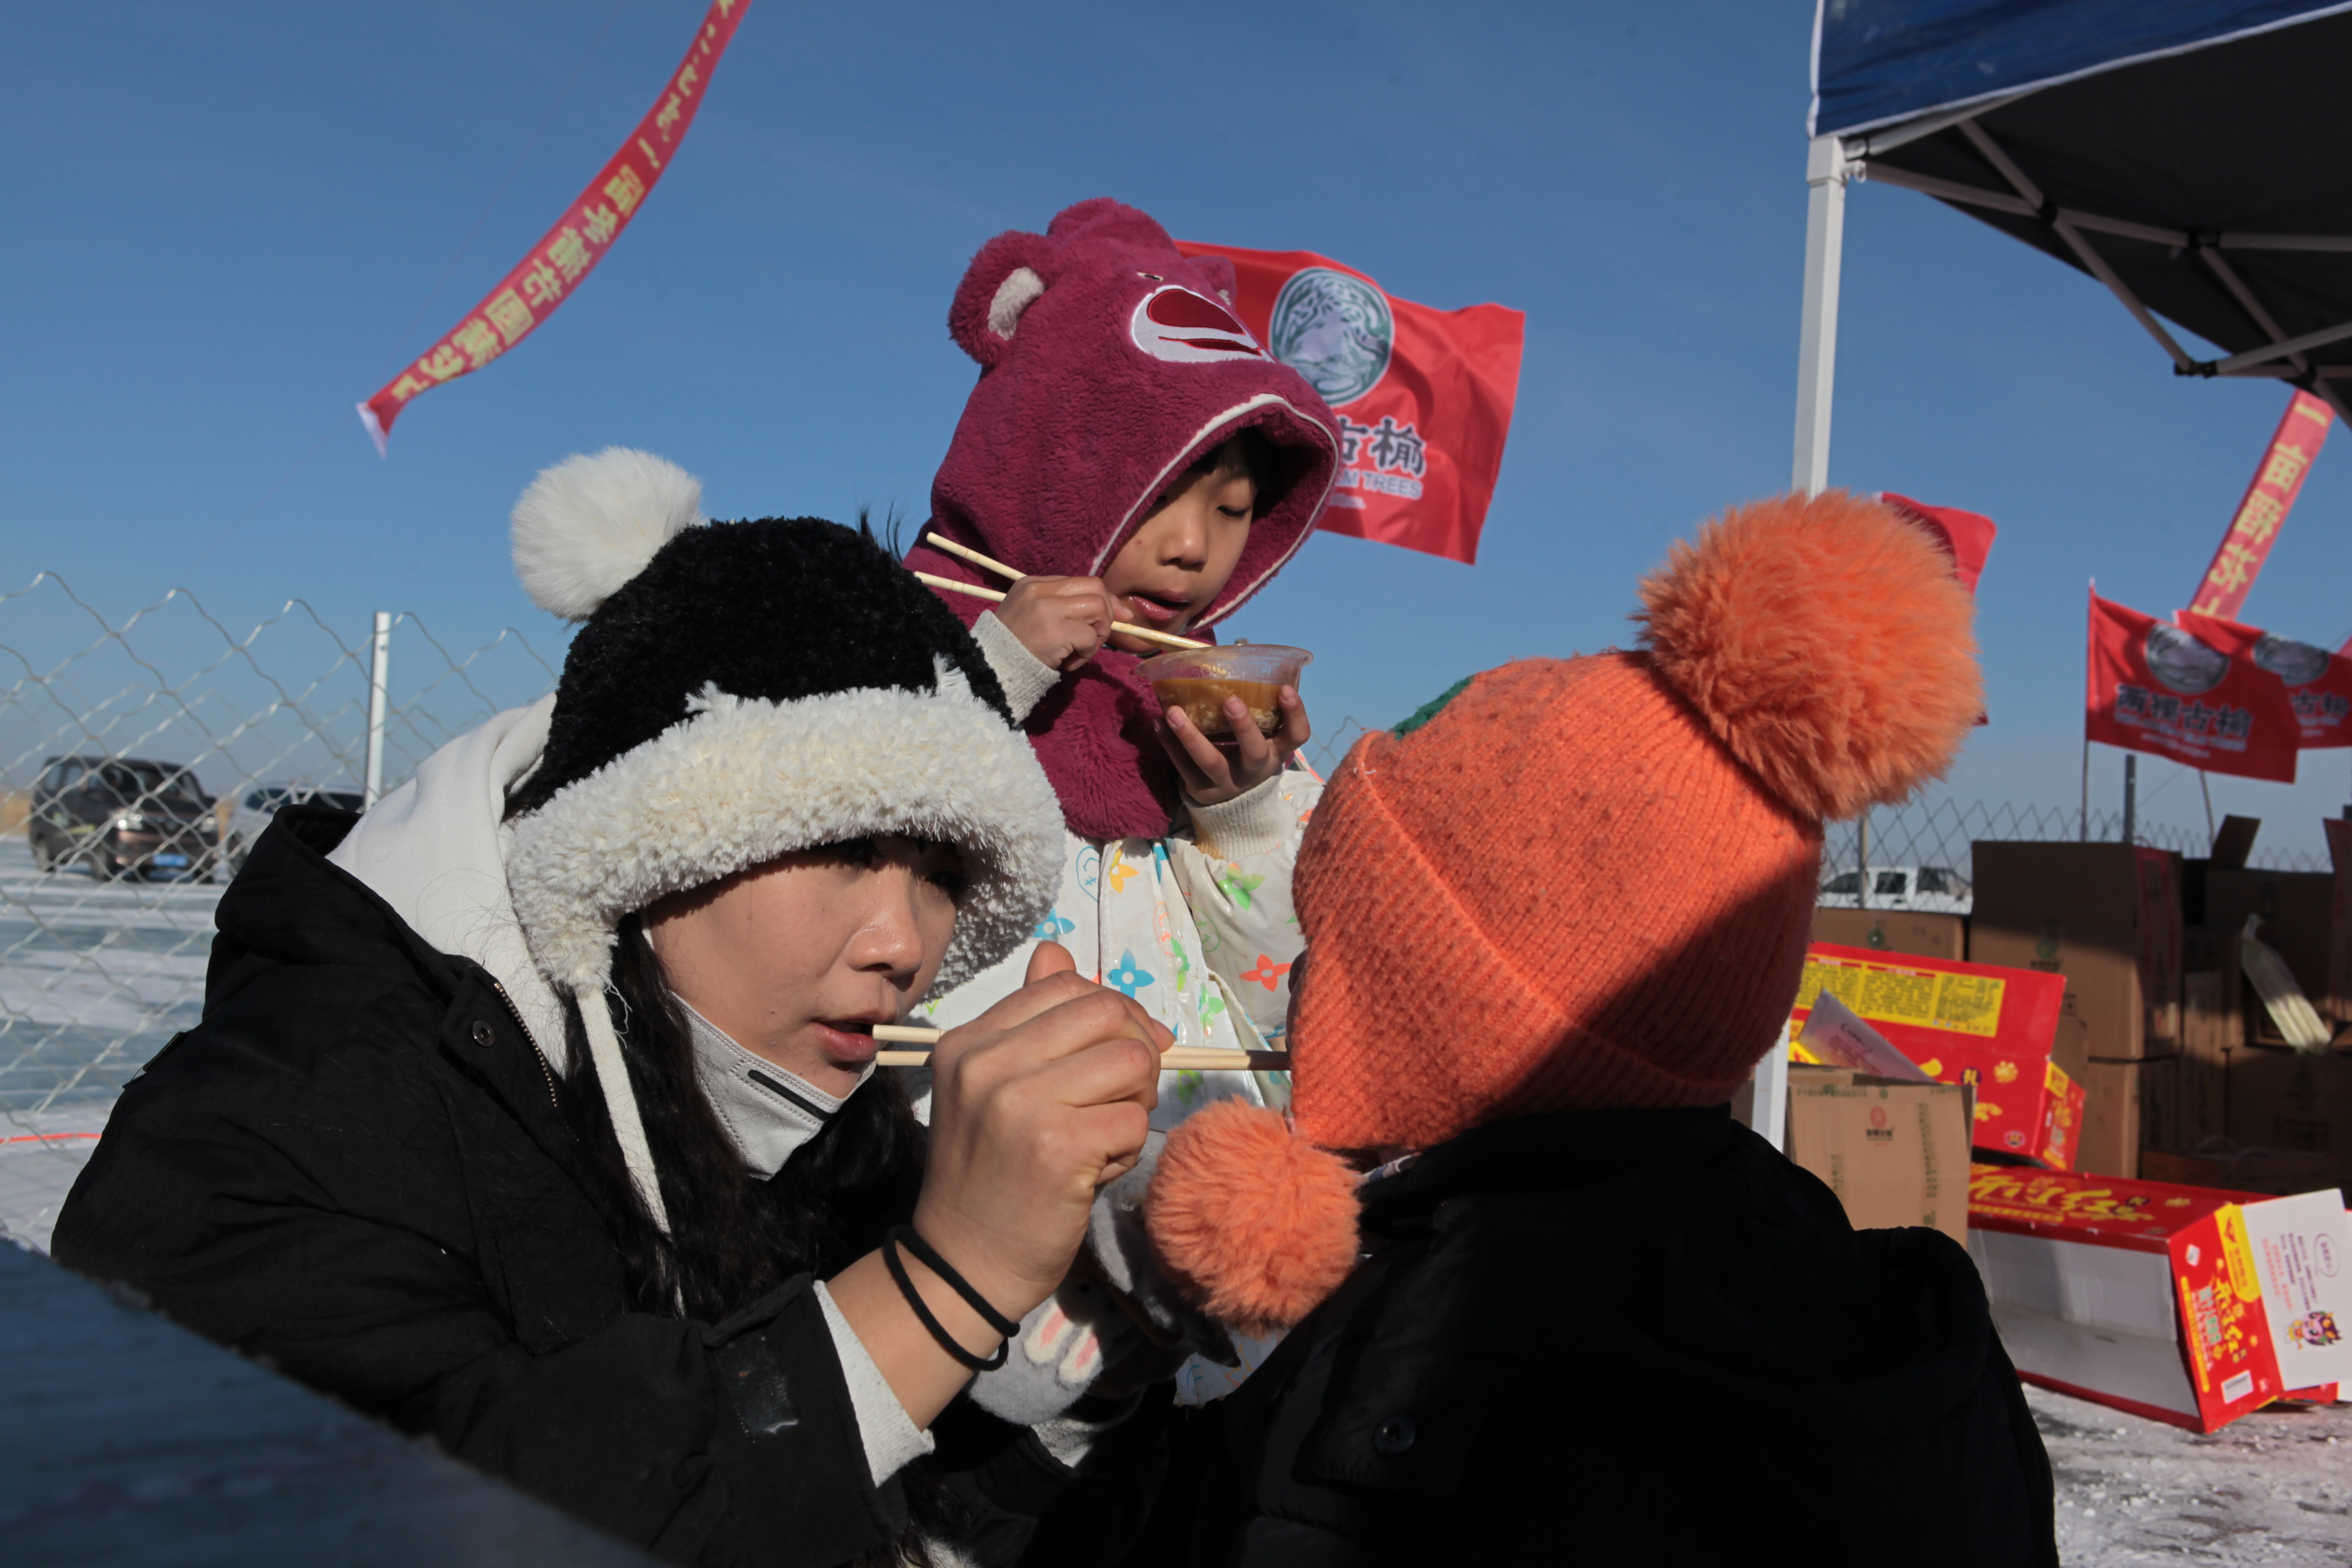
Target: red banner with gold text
(2156,687)
(2296,441)
(567,253)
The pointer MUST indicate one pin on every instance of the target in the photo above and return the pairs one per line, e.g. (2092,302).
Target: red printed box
(2186,1305)
(1964,1023)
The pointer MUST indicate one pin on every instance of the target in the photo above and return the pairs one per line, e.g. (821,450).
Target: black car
(126,816)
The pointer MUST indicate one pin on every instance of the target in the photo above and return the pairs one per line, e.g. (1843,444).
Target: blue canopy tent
(2190,155)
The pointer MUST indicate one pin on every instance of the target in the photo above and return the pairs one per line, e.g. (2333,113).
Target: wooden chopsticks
(949,585)
(1179,1058)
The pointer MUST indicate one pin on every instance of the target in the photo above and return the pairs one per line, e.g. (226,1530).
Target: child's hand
(1215,773)
(1060,620)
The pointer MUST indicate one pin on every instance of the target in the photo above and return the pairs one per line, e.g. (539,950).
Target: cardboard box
(2298,911)
(2283,1102)
(2186,1305)
(2159,1110)
(2117,1114)
(2105,915)
(1896,1153)
(1965,1024)
(2238,1170)
(2212,1026)
(1893,931)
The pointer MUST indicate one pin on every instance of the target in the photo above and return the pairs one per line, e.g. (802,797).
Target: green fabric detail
(1431,708)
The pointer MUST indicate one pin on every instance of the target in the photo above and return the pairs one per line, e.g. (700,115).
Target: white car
(264,801)
(1922,890)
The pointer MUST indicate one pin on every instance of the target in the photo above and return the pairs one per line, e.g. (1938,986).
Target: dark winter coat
(356,1168)
(1631,1337)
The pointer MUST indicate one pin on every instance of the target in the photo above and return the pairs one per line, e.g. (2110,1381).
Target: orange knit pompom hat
(1588,883)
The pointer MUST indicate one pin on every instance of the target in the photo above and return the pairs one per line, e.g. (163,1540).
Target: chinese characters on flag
(1423,396)
(2278,482)
(2156,687)
(2318,683)
(568,251)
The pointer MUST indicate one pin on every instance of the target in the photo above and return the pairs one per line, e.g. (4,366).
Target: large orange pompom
(1258,1225)
(1827,644)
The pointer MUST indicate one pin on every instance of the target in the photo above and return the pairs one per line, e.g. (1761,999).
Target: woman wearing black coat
(536,1112)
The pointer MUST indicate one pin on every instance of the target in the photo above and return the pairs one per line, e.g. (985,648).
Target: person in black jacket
(1552,922)
(536,1112)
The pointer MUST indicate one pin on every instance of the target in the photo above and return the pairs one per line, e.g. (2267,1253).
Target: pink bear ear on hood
(1003,281)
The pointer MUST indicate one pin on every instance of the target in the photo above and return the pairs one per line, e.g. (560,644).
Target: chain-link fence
(1931,836)
(138,759)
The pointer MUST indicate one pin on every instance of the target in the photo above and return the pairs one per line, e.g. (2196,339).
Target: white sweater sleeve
(1024,677)
(891,1439)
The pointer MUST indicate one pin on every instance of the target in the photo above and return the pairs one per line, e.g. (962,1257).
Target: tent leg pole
(1826,172)
(1825,177)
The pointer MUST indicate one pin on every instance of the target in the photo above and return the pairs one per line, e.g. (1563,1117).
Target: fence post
(379,676)
(1862,859)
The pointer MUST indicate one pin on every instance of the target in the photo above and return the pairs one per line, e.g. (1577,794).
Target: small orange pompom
(1827,644)
(1259,1226)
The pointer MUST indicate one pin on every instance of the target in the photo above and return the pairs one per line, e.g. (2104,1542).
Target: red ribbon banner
(2296,441)
(570,250)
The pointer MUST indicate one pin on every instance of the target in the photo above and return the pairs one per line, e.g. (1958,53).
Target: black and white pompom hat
(740,690)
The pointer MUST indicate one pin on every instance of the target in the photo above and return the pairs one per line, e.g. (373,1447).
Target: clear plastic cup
(1199,681)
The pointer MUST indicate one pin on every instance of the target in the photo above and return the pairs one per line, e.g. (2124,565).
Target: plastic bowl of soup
(1199,681)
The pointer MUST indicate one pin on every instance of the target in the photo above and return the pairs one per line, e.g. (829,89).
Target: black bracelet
(938,1265)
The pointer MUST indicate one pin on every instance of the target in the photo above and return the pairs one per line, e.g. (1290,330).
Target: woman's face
(799,958)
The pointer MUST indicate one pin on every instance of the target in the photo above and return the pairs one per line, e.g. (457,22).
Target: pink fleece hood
(1109,364)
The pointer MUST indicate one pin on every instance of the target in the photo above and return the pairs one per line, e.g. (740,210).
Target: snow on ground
(94,978)
(2273,1488)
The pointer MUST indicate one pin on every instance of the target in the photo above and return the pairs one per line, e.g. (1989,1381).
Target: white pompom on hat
(589,524)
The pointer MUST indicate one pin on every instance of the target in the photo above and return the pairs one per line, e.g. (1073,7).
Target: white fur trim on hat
(589,524)
(742,781)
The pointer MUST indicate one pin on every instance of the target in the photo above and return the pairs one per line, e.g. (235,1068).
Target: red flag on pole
(2318,683)
(567,252)
(1967,536)
(1423,396)
(2296,441)
(2155,688)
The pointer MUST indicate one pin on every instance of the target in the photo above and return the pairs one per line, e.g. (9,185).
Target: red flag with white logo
(2318,683)
(1423,396)
(2155,687)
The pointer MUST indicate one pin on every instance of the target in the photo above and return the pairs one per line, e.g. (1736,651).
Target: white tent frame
(1833,161)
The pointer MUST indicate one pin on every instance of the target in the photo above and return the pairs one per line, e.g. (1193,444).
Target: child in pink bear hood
(1136,451)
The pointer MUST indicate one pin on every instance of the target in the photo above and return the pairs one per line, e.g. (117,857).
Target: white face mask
(767,1111)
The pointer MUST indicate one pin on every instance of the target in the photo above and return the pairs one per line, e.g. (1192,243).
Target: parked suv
(263,802)
(125,816)
(1922,889)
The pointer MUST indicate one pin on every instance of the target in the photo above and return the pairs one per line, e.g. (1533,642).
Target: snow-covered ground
(2273,1488)
(94,978)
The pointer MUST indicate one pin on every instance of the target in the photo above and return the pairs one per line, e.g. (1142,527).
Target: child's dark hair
(1245,452)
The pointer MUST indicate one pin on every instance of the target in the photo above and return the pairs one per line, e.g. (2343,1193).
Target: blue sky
(223,219)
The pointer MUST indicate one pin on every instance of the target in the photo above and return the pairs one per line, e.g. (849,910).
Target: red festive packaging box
(2187,1305)
(1964,1023)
